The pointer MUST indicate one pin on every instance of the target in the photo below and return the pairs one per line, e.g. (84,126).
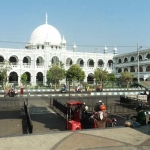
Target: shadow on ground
(44,120)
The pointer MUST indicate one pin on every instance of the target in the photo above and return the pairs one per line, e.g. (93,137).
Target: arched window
(100,63)
(148,56)
(140,69)
(125,60)
(119,61)
(132,69)
(148,69)
(110,63)
(132,58)
(119,70)
(125,70)
(140,58)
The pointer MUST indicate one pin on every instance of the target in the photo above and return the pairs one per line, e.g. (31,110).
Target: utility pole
(138,61)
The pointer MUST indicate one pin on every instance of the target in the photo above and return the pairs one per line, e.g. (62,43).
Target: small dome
(74,46)
(45,33)
(105,48)
(115,49)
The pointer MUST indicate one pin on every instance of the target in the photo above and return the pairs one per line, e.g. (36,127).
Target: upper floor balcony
(133,63)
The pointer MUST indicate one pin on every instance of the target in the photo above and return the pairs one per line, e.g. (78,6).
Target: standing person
(97,106)
(13,86)
(141,117)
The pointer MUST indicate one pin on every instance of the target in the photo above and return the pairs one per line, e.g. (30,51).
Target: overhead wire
(79,45)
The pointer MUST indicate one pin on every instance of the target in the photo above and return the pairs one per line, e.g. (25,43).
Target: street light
(68,79)
(138,60)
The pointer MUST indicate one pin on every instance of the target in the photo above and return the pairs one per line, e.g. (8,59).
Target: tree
(4,68)
(126,77)
(55,74)
(75,73)
(100,75)
(111,77)
(24,78)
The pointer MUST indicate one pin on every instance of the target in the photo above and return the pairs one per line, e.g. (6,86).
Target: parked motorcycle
(11,94)
(63,91)
(111,122)
(99,89)
(78,90)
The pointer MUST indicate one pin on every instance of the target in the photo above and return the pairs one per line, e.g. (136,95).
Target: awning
(145,84)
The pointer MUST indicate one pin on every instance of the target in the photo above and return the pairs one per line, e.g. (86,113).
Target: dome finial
(46,18)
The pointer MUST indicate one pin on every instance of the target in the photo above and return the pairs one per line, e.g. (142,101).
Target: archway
(13,60)
(69,62)
(80,62)
(39,78)
(148,69)
(125,60)
(119,70)
(55,60)
(119,61)
(110,63)
(148,56)
(125,69)
(132,58)
(140,58)
(100,63)
(40,61)
(90,78)
(28,77)
(26,60)
(132,69)
(13,77)
(1,59)
(141,79)
(140,69)
(90,63)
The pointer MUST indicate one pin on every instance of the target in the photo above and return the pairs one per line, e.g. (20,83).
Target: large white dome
(45,33)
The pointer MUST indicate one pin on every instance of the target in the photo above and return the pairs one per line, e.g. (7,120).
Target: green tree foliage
(4,68)
(55,74)
(24,78)
(111,77)
(100,75)
(126,77)
(75,73)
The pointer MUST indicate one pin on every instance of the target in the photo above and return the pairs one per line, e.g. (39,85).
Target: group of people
(138,120)
(78,88)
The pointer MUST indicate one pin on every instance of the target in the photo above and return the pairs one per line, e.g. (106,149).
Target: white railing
(27,64)
(90,66)
(40,64)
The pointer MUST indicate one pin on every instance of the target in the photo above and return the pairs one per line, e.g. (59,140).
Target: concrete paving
(46,136)
(97,139)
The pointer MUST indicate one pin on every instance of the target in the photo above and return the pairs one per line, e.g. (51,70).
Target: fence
(116,109)
(48,85)
(28,118)
(62,108)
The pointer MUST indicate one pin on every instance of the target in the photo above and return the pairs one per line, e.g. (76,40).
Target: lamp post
(68,79)
(138,61)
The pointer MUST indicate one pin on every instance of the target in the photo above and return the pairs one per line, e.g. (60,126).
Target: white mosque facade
(46,46)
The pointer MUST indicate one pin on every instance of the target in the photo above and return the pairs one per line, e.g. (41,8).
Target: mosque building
(46,47)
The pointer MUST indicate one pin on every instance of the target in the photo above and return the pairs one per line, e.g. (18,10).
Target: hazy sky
(90,24)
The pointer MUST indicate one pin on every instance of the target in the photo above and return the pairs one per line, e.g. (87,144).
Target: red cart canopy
(71,103)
